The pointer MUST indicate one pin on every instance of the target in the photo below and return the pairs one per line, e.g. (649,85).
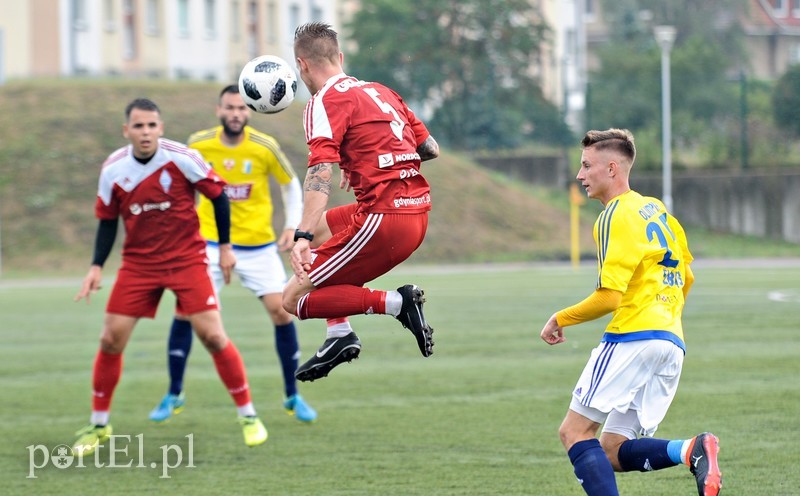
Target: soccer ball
(267,84)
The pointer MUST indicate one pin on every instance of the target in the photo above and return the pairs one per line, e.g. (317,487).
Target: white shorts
(629,386)
(260,270)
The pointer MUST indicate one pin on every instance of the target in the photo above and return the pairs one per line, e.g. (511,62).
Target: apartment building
(170,39)
(212,39)
(773,34)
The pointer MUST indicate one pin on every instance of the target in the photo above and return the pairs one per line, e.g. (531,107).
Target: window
(79,21)
(591,10)
(294,17)
(252,29)
(796,8)
(779,7)
(210,19)
(236,22)
(271,24)
(152,17)
(183,18)
(316,13)
(252,12)
(128,30)
(109,17)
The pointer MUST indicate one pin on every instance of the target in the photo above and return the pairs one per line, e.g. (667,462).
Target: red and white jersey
(372,134)
(156,201)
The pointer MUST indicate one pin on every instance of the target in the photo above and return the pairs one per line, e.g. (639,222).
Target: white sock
(394,302)
(247,410)
(685,451)
(338,328)
(99,418)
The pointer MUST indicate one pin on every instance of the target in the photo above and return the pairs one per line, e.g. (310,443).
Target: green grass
(480,417)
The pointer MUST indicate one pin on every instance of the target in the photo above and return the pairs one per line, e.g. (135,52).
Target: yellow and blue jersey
(246,169)
(643,253)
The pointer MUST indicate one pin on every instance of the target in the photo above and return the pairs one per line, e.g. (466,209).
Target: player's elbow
(429,149)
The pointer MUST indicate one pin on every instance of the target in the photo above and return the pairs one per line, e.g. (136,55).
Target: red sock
(231,370)
(105,376)
(342,300)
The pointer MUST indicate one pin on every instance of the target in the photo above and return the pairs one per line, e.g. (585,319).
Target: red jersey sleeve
(331,119)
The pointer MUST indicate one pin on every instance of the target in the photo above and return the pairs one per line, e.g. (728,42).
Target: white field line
(411,268)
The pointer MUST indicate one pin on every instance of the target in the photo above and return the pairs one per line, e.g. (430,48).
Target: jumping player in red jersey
(151,184)
(378,143)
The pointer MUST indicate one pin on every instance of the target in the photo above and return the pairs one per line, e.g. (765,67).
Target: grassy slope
(55,135)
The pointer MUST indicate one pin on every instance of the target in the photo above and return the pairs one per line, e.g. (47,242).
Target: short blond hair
(617,140)
(316,41)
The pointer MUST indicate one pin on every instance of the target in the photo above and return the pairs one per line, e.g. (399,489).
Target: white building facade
(168,39)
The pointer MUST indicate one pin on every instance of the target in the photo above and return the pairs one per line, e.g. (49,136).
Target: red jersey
(372,134)
(157,203)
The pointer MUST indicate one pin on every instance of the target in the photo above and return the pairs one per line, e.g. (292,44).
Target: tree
(466,63)
(786,100)
(705,63)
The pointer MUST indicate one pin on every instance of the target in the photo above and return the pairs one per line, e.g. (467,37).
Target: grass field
(480,417)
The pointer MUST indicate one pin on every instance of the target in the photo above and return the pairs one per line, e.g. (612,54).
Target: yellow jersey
(246,168)
(642,252)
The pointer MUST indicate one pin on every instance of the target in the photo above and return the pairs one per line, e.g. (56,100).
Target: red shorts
(137,291)
(364,246)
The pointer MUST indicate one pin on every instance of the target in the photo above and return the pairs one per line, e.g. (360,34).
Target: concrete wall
(757,203)
(765,204)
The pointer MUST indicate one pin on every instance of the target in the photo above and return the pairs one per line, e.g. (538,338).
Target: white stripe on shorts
(351,249)
(600,367)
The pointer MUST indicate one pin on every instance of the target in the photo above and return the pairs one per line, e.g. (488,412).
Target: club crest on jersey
(228,163)
(165,180)
(247,167)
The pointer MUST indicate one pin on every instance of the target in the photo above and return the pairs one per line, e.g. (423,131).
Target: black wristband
(303,234)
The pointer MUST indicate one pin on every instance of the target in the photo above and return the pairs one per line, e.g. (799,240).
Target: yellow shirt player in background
(632,376)
(246,159)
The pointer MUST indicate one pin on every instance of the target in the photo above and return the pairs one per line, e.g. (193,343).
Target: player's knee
(280,316)
(566,438)
(570,435)
(111,342)
(289,302)
(290,305)
(214,342)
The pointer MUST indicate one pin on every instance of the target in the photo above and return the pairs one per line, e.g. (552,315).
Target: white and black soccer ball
(267,84)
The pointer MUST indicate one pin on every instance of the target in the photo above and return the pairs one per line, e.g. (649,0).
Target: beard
(232,132)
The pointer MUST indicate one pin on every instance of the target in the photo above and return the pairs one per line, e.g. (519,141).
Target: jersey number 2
(654,229)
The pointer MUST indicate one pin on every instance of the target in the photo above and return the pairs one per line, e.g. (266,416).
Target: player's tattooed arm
(429,149)
(320,178)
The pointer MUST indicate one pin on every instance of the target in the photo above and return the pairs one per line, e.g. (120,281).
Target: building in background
(165,39)
(213,39)
(773,36)
(563,62)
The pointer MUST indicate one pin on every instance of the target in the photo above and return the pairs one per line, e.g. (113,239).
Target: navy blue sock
(644,454)
(288,352)
(593,469)
(178,347)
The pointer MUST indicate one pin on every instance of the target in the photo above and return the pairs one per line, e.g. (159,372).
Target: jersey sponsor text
(238,192)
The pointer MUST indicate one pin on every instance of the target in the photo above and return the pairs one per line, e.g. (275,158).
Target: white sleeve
(292,195)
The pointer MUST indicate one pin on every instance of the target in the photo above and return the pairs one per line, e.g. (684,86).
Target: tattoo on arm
(319,178)
(429,149)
